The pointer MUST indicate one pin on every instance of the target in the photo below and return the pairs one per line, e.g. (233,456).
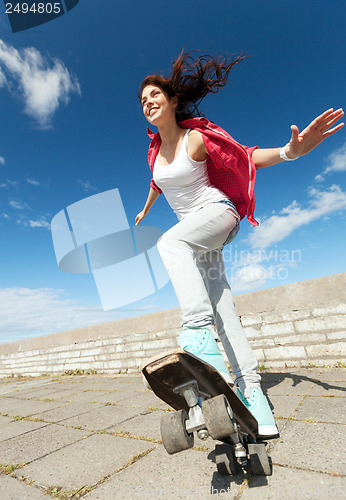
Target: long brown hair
(191,80)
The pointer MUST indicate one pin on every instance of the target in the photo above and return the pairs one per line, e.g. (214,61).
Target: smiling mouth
(152,111)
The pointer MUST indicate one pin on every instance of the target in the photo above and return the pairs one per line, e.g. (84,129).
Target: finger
(333,130)
(330,123)
(316,122)
(295,133)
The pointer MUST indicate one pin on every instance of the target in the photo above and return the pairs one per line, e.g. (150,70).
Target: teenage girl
(208,180)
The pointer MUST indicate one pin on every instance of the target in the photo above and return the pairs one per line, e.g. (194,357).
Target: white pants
(192,254)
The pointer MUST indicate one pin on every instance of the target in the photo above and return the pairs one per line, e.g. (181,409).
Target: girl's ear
(175,101)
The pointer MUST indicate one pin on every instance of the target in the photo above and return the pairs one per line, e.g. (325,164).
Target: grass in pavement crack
(58,492)
(10,468)
(125,434)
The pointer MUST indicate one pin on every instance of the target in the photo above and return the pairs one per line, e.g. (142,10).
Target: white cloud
(40,222)
(2,160)
(3,80)
(278,227)
(87,186)
(33,182)
(23,218)
(336,163)
(257,268)
(18,205)
(12,183)
(8,183)
(37,223)
(43,84)
(26,312)
(249,277)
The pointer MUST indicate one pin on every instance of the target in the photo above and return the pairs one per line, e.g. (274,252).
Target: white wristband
(283,155)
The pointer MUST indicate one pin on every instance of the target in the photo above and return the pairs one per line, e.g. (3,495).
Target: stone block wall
(310,336)
(300,324)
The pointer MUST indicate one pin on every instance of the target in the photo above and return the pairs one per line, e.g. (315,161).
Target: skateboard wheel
(218,417)
(174,435)
(259,461)
(226,462)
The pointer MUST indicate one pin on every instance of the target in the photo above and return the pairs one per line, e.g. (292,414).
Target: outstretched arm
(301,143)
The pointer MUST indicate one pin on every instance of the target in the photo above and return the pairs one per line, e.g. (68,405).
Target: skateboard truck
(196,422)
(194,397)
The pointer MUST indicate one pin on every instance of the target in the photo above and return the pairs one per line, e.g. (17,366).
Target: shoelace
(193,348)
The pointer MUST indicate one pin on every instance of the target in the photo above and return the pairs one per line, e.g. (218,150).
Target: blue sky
(72,127)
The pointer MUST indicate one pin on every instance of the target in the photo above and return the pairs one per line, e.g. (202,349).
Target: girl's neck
(170,133)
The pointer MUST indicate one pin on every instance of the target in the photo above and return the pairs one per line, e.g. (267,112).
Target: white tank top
(185,183)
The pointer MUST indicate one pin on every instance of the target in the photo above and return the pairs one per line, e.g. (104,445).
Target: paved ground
(97,437)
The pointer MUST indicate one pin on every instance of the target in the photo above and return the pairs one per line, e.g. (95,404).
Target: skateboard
(206,405)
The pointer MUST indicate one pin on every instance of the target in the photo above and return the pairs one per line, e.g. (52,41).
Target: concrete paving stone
(127,379)
(85,462)
(289,483)
(140,399)
(37,443)
(333,374)
(24,381)
(67,410)
(300,380)
(323,410)
(327,389)
(25,384)
(41,393)
(288,388)
(9,428)
(32,385)
(18,407)
(101,397)
(101,418)
(136,399)
(304,373)
(71,383)
(103,386)
(13,489)
(97,396)
(284,406)
(189,474)
(317,447)
(5,420)
(88,382)
(15,388)
(119,384)
(90,392)
(68,382)
(146,424)
(74,395)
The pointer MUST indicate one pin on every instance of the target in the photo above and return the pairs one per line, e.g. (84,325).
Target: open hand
(140,217)
(318,130)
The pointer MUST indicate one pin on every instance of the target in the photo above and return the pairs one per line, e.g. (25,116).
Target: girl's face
(157,107)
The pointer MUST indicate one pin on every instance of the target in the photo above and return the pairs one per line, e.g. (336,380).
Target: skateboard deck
(168,372)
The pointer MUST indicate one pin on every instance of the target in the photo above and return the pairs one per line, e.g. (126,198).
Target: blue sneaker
(260,409)
(201,343)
